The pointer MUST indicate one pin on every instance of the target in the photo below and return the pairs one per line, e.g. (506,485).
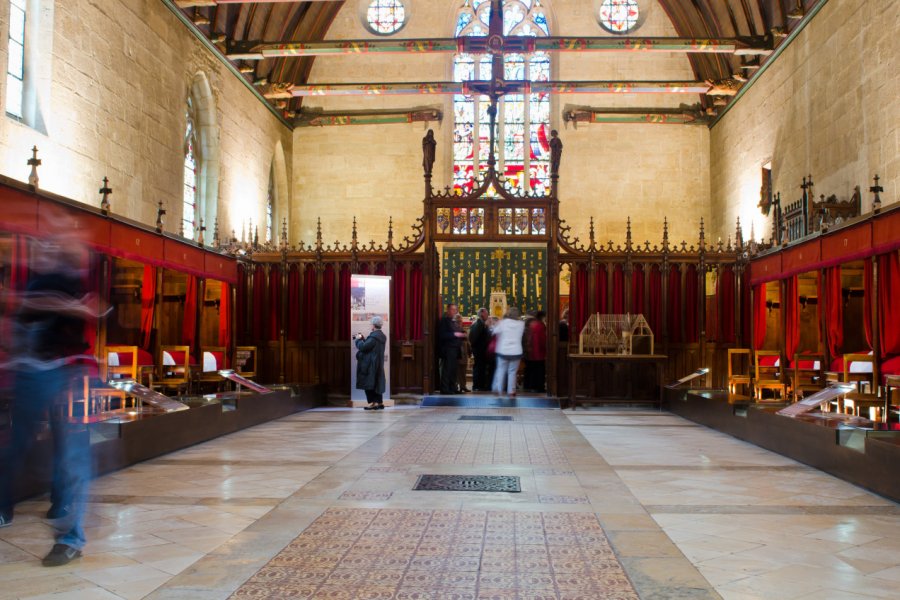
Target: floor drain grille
(480,418)
(469,483)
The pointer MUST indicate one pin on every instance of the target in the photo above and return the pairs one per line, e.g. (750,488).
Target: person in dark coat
(449,337)
(370,364)
(479,338)
(536,353)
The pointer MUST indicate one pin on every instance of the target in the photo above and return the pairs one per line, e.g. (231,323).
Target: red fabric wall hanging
(637,290)
(725,298)
(601,291)
(579,301)
(225,317)
(675,312)
(867,301)
(308,316)
(654,301)
(618,291)
(189,323)
(259,307)
(240,305)
(328,308)
(399,302)
(274,321)
(888,295)
(746,308)
(691,305)
(148,303)
(415,302)
(294,304)
(834,309)
(344,303)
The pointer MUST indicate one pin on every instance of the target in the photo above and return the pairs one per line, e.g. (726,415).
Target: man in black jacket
(449,341)
(479,338)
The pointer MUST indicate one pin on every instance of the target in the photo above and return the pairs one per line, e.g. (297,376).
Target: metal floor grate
(473,401)
(469,483)
(480,418)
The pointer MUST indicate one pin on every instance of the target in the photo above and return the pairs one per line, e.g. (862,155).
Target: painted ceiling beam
(290,90)
(258,50)
(380,117)
(654,116)
(206,3)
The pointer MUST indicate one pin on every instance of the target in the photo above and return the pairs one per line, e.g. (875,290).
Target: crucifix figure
(34,162)
(106,191)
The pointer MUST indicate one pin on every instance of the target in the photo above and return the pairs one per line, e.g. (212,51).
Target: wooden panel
(220,267)
(804,257)
(886,231)
(20,211)
(407,374)
(55,219)
(179,255)
(135,243)
(847,243)
(766,268)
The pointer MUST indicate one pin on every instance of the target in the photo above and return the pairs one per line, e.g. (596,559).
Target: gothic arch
(282,199)
(202,109)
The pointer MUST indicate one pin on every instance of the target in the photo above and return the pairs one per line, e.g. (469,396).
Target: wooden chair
(80,393)
(769,377)
(208,356)
(173,376)
(739,376)
(245,361)
(122,369)
(865,397)
(808,375)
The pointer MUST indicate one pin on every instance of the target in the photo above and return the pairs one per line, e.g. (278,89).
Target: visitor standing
(370,364)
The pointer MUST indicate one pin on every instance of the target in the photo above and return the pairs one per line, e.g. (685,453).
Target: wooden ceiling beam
(204,3)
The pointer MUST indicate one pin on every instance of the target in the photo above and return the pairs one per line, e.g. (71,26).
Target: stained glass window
(619,16)
(523,121)
(189,207)
(386,16)
(270,206)
(15,70)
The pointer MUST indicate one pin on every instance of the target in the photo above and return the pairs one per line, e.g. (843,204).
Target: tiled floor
(614,503)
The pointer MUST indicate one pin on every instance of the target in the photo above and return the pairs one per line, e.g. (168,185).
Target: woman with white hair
(370,364)
(508,350)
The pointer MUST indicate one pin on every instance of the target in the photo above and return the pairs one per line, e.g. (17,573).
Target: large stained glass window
(523,121)
(15,70)
(270,206)
(189,207)
(619,16)
(385,17)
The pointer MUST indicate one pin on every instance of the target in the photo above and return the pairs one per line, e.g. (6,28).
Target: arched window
(15,70)
(189,205)
(523,121)
(270,206)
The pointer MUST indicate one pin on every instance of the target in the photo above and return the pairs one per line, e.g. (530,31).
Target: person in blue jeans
(49,339)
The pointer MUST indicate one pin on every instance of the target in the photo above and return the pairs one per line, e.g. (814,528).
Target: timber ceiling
(290,21)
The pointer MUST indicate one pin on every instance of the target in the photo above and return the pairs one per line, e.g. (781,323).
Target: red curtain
(691,305)
(618,291)
(675,312)
(746,309)
(654,304)
(888,293)
(637,290)
(225,317)
(259,304)
(189,323)
(760,312)
(415,302)
(309,315)
(364,268)
(274,321)
(579,301)
(399,301)
(725,298)
(601,289)
(790,303)
(834,311)
(293,312)
(240,305)
(867,302)
(328,303)
(381,269)
(148,303)
(344,303)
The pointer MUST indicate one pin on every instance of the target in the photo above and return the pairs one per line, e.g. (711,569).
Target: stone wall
(112,86)
(828,106)
(608,171)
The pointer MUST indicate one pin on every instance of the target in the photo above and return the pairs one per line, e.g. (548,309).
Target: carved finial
(390,232)
(319,233)
(702,234)
(284,234)
(105,191)
(628,234)
(256,237)
(200,233)
(160,212)
(739,235)
(216,233)
(876,189)
(665,233)
(591,232)
(34,162)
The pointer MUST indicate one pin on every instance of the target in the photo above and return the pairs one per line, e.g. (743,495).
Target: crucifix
(876,189)
(106,191)
(34,162)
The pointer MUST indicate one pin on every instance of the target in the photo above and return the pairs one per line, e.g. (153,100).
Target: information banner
(370,295)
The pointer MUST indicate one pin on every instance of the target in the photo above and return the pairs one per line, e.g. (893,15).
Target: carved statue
(556,147)
(723,87)
(428,146)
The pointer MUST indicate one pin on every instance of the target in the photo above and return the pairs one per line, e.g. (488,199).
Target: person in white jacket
(509,333)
